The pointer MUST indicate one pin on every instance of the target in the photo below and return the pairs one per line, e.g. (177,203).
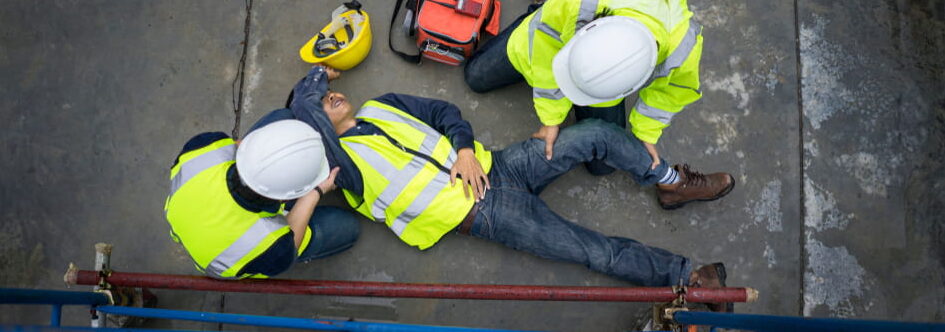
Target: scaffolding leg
(56,315)
(103,253)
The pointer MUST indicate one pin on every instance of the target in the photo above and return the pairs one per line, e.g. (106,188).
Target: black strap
(321,42)
(415,152)
(407,57)
(353,4)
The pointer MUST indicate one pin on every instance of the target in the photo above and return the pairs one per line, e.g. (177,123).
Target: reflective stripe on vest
(654,113)
(201,163)
(244,245)
(537,25)
(681,53)
(554,94)
(429,142)
(585,14)
(405,170)
(398,179)
(532,27)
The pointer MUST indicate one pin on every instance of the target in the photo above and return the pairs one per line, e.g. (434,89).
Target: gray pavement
(830,116)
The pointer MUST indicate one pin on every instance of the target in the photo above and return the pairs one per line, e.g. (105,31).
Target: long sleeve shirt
(441,115)
(674,84)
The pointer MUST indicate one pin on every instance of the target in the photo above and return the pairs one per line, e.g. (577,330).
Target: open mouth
(337,102)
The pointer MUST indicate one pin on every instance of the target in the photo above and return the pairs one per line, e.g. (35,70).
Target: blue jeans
(333,230)
(514,215)
(489,68)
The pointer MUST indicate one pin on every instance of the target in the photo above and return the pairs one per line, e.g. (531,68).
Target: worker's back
(219,234)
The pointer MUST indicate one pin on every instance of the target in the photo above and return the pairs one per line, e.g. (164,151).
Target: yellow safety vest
(406,176)
(673,85)
(220,235)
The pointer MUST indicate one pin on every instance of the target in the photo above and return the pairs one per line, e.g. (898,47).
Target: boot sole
(720,195)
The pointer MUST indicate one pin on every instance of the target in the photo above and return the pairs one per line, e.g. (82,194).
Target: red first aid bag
(447,31)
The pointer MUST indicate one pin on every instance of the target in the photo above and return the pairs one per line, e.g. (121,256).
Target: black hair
(604,13)
(245,196)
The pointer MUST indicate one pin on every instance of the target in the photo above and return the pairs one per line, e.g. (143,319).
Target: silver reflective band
(585,14)
(398,179)
(245,244)
(532,26)
(681,53)
(420,203)
(547,29)
(547,93)
(654,113)
(194,166)
(429,142)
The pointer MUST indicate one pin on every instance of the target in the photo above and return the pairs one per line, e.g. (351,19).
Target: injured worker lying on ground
(412,163)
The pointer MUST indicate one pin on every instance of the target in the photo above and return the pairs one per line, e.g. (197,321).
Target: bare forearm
(300,215)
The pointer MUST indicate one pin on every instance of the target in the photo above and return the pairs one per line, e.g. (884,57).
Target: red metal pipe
(442,291)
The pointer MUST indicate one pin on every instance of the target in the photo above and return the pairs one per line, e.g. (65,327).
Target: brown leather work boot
(693,186)
(711,276)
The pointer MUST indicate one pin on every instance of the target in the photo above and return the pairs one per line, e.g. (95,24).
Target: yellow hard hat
(343,43)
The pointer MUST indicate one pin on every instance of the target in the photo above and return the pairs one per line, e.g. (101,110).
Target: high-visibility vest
(220,235)
(406,176)
(673,85)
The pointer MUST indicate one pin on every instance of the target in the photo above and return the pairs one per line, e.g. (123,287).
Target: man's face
(337,107)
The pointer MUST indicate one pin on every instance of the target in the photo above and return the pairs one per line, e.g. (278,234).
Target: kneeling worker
(226,203)
(588,55)
(409,151)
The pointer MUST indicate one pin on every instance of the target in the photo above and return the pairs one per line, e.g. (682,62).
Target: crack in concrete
(800,129)
(237,89)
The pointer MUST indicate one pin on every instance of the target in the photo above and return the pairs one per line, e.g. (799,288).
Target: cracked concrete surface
(829,115)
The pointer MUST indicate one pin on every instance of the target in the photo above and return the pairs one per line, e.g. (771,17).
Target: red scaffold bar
(404,290)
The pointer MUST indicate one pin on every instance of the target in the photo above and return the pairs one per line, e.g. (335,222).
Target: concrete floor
(831,116)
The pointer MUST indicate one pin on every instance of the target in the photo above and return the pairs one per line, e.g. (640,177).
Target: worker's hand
(549,134)
(332,72)
(651,149)
(329,183)
(470,173)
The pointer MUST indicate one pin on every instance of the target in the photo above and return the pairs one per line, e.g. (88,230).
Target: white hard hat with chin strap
(607,59)
(283,160)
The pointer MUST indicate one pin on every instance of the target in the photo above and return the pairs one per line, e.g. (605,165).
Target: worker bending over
(226,202)
(406,154)
(590,55)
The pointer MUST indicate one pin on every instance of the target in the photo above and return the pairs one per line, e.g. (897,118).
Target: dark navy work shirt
(441,115)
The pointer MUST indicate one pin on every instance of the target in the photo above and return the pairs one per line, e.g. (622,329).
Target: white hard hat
(282,160)
(607,59)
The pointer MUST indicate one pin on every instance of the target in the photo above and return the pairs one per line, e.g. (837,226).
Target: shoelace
(694,178)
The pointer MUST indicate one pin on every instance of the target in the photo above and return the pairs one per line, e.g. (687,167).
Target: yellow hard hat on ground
(343,43)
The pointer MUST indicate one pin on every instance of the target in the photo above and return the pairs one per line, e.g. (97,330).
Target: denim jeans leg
(582,142)
(333,230)
(522,221)
(489,67)
(613,114)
